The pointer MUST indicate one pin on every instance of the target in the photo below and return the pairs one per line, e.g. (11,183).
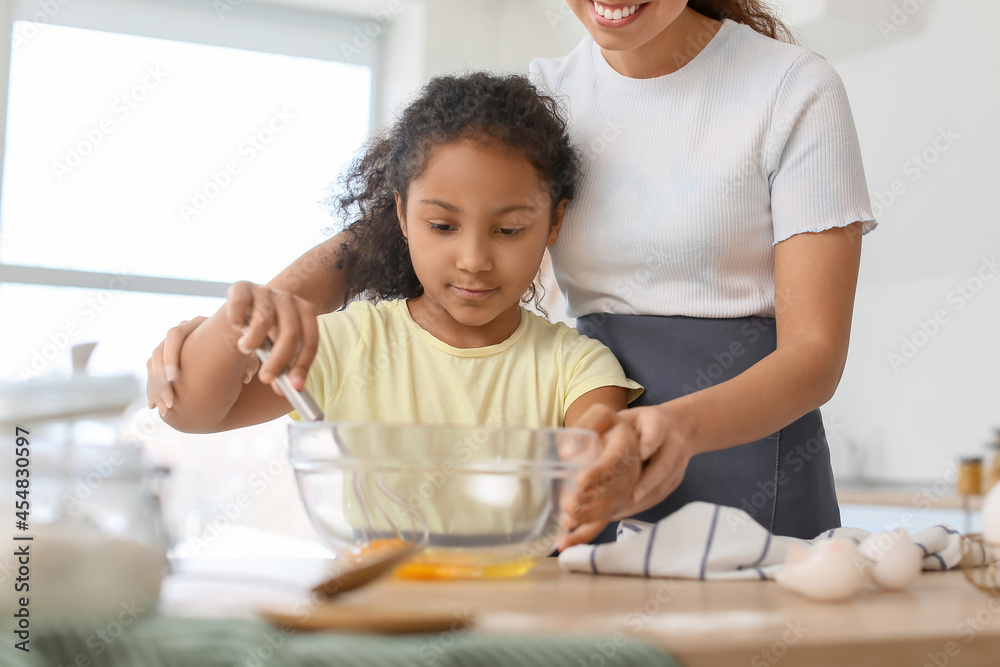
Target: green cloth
(184,642)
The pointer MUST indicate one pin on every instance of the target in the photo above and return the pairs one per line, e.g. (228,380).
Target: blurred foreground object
(88,521)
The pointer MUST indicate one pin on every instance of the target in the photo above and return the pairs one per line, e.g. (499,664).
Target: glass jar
(970,476)
(99,545)
(991,469)
(89,520)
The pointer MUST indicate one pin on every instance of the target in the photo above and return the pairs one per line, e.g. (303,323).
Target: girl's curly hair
(506,110)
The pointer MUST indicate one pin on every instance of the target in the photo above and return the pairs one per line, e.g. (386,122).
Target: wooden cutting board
(377,619)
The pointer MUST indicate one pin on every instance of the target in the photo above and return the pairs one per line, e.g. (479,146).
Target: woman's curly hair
(505,110)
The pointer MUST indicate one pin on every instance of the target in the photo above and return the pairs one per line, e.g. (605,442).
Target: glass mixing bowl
(482,501)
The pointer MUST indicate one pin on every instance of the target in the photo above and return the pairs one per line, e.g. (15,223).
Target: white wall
(434,37)
(939,72)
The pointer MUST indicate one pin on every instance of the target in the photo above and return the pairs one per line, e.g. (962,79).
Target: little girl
(453,206)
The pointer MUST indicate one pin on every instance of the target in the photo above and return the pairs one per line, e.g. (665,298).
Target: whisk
(362,569)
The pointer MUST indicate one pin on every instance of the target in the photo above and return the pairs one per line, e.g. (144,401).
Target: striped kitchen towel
(706,541)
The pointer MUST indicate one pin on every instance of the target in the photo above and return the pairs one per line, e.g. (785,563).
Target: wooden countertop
(703,624)
(918,496)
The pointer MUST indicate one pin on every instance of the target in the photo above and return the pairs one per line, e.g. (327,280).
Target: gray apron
(783,481)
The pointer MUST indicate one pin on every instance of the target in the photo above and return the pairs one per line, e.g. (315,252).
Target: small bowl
(481,501)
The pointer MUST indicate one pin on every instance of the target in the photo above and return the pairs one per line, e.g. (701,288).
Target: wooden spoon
(366,569)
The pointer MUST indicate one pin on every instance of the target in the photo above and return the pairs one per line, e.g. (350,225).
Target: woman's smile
(615,16)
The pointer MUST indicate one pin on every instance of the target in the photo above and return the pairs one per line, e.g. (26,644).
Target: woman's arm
(815,276)
(313,277)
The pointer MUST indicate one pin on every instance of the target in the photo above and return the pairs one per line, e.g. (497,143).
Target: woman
(714,247)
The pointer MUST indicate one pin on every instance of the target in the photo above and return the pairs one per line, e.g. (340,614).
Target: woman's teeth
(614,14)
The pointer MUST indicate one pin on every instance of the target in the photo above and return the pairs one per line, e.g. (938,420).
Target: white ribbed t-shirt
(692,177)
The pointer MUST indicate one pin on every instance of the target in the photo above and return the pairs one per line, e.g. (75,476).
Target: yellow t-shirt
(375,363)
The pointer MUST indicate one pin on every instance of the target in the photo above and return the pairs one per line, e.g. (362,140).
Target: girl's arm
(613,397)
(815,277)
(211,394)
(313,277)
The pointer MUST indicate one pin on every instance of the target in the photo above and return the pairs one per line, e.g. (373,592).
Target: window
(155,153)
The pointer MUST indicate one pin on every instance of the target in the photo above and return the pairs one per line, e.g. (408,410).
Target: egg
(828,571)
(896,560)
(991,517)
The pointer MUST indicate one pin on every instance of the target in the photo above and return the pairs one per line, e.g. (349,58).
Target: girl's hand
(666,444)
(257,312)
(606,488)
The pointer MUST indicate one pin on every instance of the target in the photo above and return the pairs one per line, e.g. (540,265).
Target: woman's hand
(605,488)
(163,365)
(257,312)
(617,487)
(666,444)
